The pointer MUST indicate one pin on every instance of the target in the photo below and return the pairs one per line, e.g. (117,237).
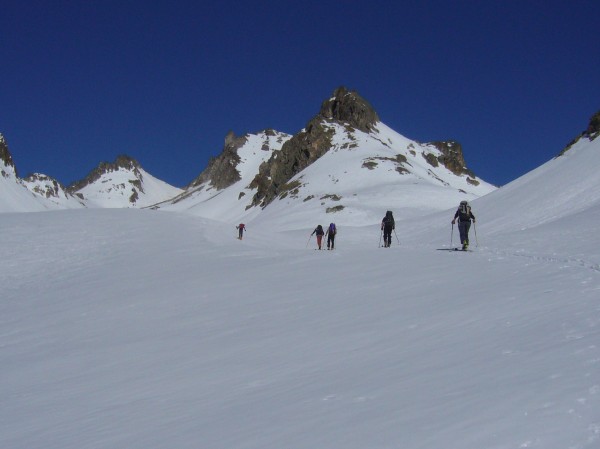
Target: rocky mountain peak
(6,158)
(221,171)
(121,162)
(45,186)
(344,107)
(349,107)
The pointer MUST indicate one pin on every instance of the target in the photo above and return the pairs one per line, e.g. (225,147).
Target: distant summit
(47,187)
(346,108)
(121,163)
(349,107)
(122,183)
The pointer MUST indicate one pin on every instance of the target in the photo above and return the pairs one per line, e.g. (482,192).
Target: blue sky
(164,81)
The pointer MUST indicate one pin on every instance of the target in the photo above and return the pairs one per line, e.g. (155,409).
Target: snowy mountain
(123,183)
(53,191)
(314,170)
(345,164)
(34,194)
(143,329)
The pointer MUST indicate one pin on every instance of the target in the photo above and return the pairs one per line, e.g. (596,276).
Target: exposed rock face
(592,131)
(122,162)
(349,107)
(295,155)
(452,157)
(221,171)
(45,186)
(344,107)
(6,158)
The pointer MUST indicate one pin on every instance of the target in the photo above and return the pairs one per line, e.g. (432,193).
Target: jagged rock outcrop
(6,159)
(348,107)
(452,157)
(344,107)
(592,131)
(221,171)
(45,186)
(121,162)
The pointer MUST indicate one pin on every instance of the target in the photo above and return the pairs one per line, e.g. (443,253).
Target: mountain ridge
(270,166)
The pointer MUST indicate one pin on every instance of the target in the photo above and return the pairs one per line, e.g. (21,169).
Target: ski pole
(475,229)
(309,237)
(396,236)
(452,235)
(380,234)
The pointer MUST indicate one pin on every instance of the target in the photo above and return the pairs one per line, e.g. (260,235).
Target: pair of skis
(462,249)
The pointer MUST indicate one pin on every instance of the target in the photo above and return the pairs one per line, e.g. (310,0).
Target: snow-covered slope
(150,329)
(14,194)
(144,329)
(559,189)
(52,193)
(15,197)
(366,174)
(553,209)
(230,204)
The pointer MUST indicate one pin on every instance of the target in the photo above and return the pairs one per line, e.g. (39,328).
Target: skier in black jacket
(387,226)
(464,216)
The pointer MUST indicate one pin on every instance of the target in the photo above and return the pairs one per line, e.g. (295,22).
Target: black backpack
(464,211)
(388,219)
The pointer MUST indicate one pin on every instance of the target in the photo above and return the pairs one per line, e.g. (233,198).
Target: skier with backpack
(331,232)
(241,228)
(319,232)
(464,216)
(387,226)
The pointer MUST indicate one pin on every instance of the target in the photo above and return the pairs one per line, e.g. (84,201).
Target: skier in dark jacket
(331,232)
(464,216)
(319,231)
(387,226)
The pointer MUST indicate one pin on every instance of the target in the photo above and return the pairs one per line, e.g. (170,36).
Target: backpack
(319,230)
(388,220)
(464,211)
(332,229)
